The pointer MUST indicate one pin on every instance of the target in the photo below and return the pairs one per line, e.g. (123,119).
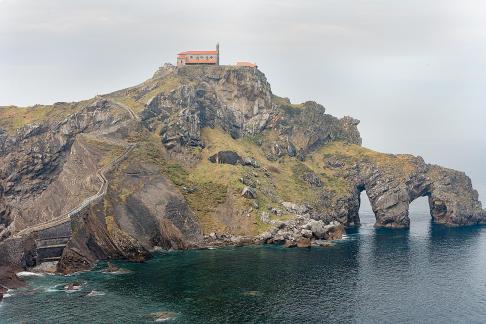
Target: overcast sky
(413,72)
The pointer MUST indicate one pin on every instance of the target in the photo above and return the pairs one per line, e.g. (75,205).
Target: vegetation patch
(12,117)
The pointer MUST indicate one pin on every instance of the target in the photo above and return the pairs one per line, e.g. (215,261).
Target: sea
(426,274)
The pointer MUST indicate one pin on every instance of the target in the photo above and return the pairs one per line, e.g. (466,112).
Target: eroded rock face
(452,199)
(32,159)
(240,102)
(154,214)
(304,129)
(236,100)
(149,200)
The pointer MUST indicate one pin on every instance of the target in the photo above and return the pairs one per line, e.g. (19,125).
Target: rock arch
(452,199)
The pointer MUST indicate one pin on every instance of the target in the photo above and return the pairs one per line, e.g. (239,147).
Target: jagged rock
(334,162)
(318,229)
(333,231)
(249,193)
(249,161)
(248,181)
(291,151)
(312,179)
(295,208)
(163,316)
(306,233)
(265,217)
(72,286)
(290,244)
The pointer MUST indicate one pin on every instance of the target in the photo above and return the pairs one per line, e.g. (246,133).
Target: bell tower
(217,53)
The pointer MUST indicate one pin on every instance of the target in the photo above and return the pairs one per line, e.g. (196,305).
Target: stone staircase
(53,236)
(50,242)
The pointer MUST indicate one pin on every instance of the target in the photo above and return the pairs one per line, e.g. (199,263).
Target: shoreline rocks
(9,279)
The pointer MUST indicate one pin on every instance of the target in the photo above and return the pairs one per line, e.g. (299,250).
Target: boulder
(312,179)
(248,181)
(265,236)
(249,193)
(318,228)
(163,316)
(304,242)
(265,217)
(306,233)
(72,286)
(111,268)
(225,157)
(249,161)
(334,231)
(295,208)
(290,244)
(291,151)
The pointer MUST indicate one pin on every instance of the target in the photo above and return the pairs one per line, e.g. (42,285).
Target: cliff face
(195,151)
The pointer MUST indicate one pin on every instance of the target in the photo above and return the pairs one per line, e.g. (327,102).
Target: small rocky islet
(198,157)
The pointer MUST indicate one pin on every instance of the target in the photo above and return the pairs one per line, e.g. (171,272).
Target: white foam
(117,272)
(55,288)
(94,293)
(29,274)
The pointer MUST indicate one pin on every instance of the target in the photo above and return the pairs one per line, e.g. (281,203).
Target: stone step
(52,241)
(51,259)
(51,246)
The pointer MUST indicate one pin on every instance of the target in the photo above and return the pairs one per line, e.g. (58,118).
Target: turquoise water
(428,274)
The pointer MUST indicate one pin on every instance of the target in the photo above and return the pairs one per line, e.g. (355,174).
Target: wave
(29,274)
(94,293)
(117,272)
(55,288)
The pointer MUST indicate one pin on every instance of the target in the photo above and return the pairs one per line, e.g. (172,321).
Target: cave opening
(365,214)
(420,206)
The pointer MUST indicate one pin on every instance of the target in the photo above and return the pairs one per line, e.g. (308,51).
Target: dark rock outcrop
(225,157)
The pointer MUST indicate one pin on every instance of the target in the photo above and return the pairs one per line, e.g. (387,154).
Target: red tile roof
(249,64)
(198,53)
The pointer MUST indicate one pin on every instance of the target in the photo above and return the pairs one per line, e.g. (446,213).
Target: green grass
(12,117)
(289,108)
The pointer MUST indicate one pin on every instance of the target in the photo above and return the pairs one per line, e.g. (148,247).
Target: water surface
(428,274)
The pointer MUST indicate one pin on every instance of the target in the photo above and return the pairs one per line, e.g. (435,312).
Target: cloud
(411,71)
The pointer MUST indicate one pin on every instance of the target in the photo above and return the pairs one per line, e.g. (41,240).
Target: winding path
(101,174)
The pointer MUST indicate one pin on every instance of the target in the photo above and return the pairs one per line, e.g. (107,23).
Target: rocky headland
(198,157)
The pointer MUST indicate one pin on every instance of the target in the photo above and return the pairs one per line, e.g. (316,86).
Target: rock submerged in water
(3,291)
(251,293)
(163,316)
(73,286)
(111,268)
(304,242)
